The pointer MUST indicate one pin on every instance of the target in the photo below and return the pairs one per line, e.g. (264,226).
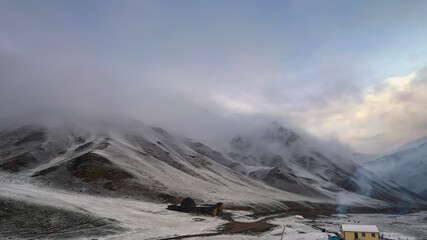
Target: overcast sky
(353,71)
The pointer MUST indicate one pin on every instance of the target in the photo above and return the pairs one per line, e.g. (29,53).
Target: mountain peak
(276,132)
(414,144)
(277,126)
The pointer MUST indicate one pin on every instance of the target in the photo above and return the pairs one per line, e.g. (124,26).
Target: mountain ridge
(144,162)
(407,165)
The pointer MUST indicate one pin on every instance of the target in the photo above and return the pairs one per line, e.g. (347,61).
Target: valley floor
(395,227)
(139,220)
(51,214)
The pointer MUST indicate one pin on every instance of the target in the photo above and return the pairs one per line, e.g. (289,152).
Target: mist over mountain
(112,110)
(406,166)
(269,166)
(361,158)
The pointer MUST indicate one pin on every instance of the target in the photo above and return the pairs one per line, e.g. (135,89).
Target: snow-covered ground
(145,220)
(408,226)
(294,229)
(241,216)
(398,227)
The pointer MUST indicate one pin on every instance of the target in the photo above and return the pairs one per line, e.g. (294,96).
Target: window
(363,234)
(356,235)
(373,234)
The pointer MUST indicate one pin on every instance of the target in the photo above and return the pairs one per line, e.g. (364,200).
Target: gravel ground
(23,220)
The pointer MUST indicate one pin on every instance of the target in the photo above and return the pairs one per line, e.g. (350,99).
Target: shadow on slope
(96,174)
(21,219)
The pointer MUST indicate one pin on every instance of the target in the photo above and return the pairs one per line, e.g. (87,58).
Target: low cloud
(388,115)
(211,71)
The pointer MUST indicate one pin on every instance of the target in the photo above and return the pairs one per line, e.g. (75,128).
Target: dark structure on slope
(189,205)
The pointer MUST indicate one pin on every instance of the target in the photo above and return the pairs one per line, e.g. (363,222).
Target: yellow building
(359,232)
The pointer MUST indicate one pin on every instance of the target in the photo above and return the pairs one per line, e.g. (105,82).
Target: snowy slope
(129,159)
(293,158)
(407,166)
(127,218)
(136,160)
(413,144)
(362,158)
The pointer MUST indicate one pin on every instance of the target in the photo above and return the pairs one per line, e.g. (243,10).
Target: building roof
(359,228)
(188,202)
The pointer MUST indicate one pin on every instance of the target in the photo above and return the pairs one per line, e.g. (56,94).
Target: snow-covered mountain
(362,158)
(406,166)
(290,156)
(266,169)
(413,144)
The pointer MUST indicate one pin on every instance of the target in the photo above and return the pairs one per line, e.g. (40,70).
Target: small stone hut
(189,205)
(188,202)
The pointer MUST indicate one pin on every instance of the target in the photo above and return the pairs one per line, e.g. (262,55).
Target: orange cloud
(388,115)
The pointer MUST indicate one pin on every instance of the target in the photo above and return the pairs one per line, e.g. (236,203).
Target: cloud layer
(386,116)
(210,70)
